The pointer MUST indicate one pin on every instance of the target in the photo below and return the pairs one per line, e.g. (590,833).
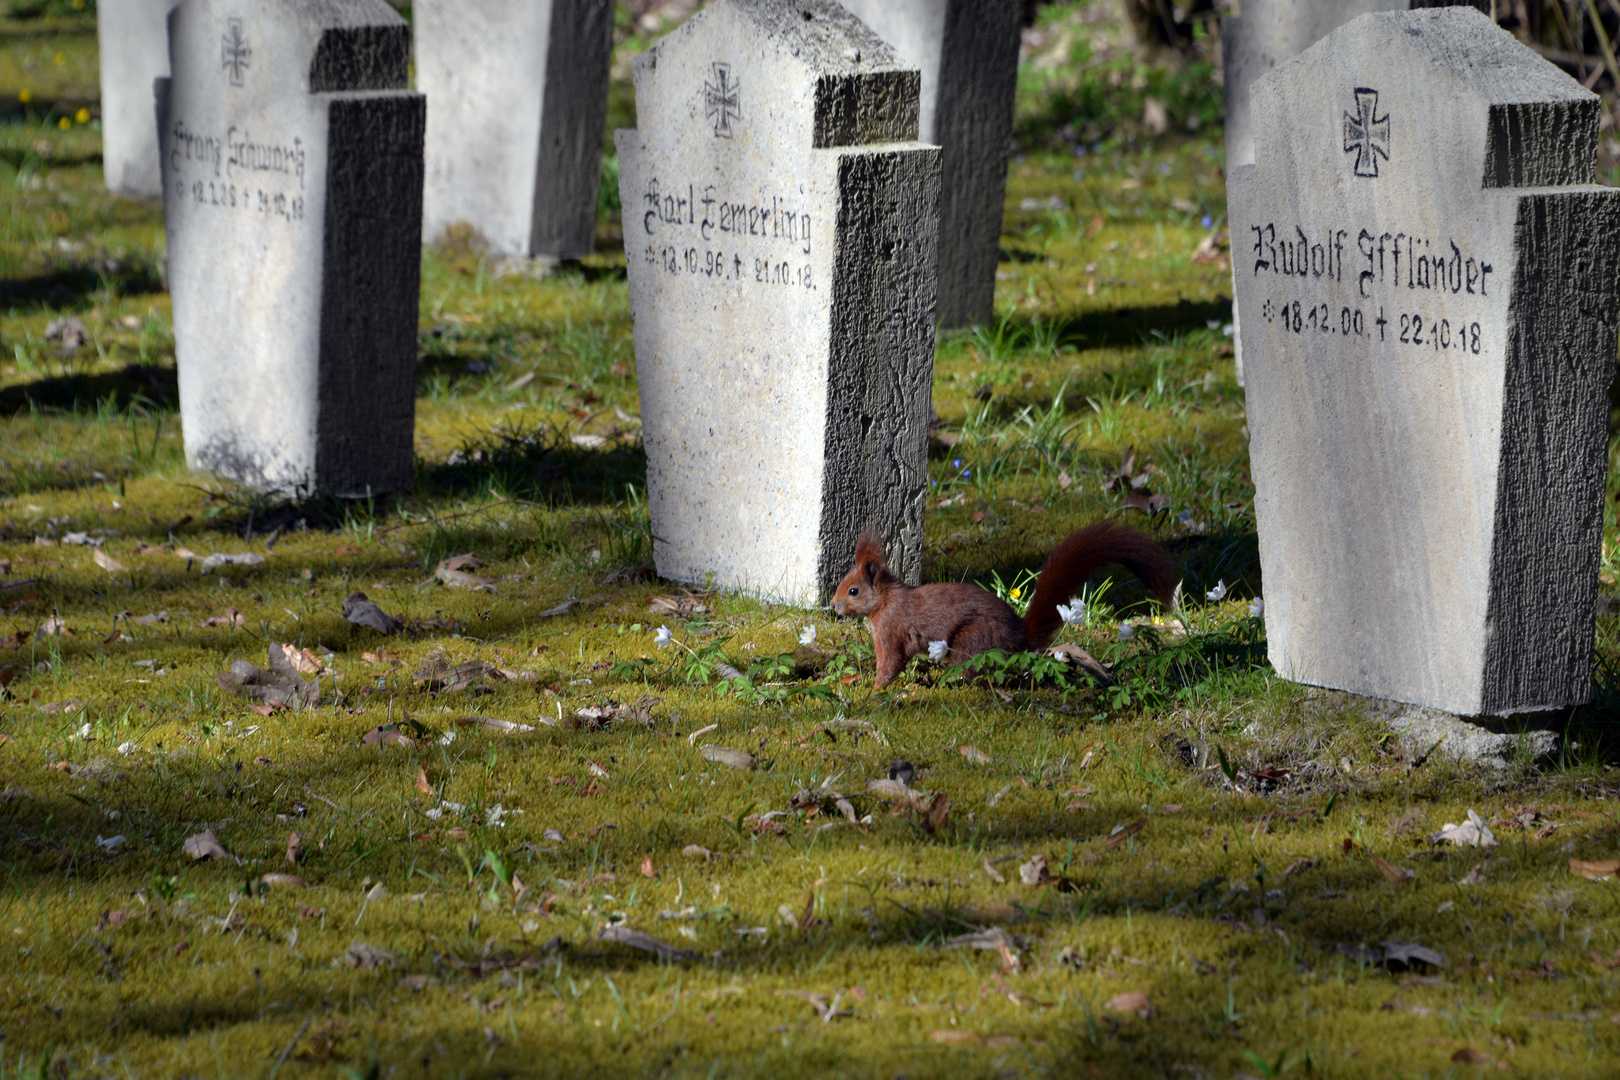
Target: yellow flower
(26,96)
(82,116)
(1016,593)
(61,58)
(64,123)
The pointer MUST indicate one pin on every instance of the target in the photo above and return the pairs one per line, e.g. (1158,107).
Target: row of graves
(1427,289)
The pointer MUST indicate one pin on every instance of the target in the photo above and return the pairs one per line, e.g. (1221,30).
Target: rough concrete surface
(781,223)
(517,99)
(292,166)
(1429,348)
(134,47)
(967,52)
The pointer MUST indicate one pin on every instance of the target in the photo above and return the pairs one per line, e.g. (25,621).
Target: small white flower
(938,650)
(1073,613)
(807,636)
(663,639)
(1218,593)
(1257,608)
(1126,631)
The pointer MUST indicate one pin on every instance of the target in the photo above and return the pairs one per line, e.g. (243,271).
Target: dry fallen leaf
(1468,1055)
(205,846)
(289,880)
(1034,872)
(1397,874)
(232,617)
(647,867)
(694,851)
(386,735)
(362,611)
(736,759)
(107,562)
(422,784)
(1601,870)
(1132,1001)
(973,755)
(295,844)
(638,939)
(54,627)
(278,684)
(955,1036)
(1471,833)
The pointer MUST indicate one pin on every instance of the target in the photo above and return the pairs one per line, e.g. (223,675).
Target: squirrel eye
(854,591)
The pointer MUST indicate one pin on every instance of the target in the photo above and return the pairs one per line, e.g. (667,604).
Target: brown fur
(905,619)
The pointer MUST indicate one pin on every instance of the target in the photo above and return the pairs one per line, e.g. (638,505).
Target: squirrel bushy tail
(1085,552)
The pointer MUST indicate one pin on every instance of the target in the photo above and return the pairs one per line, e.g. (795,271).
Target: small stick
(282,1060)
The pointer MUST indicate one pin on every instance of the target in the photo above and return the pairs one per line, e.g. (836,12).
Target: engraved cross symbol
(720,100)
(1366,134)
(234,52)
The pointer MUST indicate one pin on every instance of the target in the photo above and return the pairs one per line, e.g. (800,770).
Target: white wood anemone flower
(938,650)
(807,635)
(663,639)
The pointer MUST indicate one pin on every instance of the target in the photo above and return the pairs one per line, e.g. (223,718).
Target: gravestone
(1429,284)
(292,199)
(517,103)
(134,42)
(967,51)
(1262,35)
(781,223)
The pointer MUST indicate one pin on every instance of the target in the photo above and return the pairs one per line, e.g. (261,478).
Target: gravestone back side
(967,53)
(1428,284)
(133,37)
(781,223)
(292,185)
(517,93)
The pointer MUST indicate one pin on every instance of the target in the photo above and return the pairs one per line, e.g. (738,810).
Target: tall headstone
(292,198)
(134,40)
(517,93)
(1262,35)
(967,51)
(1429,284)
(781,222)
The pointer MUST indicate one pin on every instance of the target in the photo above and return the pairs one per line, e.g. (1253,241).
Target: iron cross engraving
(235,56)
(1365,133)
(721,102)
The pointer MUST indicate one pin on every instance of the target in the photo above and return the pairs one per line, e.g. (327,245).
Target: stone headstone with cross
(781,223)
(292,199)
(1260,34)
(517,104)
(967,51)
(1429,288)
(134,45)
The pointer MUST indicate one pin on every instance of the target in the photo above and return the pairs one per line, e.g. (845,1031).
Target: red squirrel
(970,620)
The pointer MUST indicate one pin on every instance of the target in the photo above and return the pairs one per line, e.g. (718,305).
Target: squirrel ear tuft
(869,549)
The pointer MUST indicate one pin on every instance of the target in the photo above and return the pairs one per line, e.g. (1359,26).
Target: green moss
(1226,908)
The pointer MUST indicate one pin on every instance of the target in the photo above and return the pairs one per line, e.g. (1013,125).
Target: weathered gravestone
(967,51)
(1264,33)
(292,197)
(781,223)
(134,41)
(517,103)
(1429,285)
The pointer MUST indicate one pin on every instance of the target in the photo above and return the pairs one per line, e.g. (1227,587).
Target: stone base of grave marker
(967,51)
(292,158)
(134,45)
(1429,285)
(518,92)
(781,223)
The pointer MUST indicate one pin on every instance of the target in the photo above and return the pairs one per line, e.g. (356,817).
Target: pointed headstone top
(853,89)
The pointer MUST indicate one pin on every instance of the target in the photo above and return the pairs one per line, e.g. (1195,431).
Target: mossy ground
(1226,905)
